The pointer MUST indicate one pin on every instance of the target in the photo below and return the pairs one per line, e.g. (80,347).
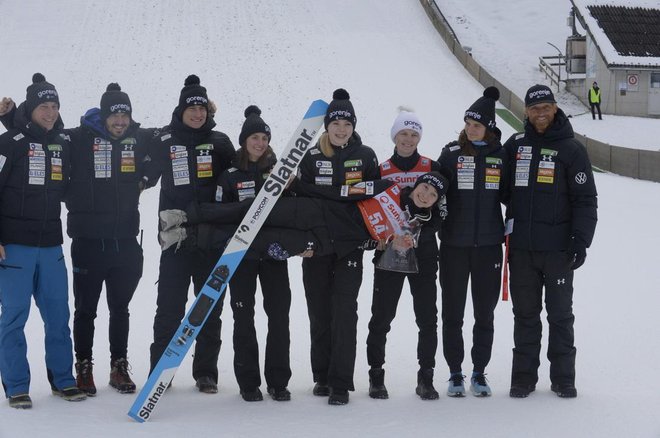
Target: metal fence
(629,162)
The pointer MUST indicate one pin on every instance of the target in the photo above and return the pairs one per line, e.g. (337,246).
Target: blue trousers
(40,272)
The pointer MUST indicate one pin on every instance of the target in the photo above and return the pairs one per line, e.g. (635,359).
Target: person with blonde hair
(332,283)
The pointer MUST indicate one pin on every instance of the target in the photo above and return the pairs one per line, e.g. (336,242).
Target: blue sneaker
(456,386)
(478,385)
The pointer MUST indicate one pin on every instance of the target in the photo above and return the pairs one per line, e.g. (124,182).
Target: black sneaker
(338,397)
(119,376)
(85,377)
(206,385)
(564,390)
(520,390)
(377,387)
(72,394)
(252,395)
(20,401)
(425,389)
(321,389)
(279,394)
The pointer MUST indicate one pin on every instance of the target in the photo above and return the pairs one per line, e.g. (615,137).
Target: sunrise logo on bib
(382,214)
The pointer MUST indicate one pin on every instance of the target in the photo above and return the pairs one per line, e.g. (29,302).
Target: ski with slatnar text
(154,389)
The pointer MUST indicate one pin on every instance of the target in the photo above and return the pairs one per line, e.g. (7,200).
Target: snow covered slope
(281,55)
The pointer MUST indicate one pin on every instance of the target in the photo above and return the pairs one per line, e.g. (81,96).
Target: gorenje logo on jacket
(405,179)
(382,214)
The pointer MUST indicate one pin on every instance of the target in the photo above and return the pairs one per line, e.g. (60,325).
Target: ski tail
(159,380)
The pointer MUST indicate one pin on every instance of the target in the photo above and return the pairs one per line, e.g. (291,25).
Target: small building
(621,51)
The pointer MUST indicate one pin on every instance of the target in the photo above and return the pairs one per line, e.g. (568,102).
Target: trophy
(399,255)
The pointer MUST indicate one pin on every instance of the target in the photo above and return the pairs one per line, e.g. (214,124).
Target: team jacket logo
(120,108)
(581,178)
(539,94)
(48,94)
(197,100)
(411,124)
(473,115)
(340,113)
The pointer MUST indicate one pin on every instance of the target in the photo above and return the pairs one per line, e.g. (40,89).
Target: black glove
(579,251)
(369,245)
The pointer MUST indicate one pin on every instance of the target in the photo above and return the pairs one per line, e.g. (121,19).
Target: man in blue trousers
(34,168)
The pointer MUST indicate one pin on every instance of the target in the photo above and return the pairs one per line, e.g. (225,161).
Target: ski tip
(316,109)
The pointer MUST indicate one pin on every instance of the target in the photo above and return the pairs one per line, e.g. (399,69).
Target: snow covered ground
(508,37)
(281,55)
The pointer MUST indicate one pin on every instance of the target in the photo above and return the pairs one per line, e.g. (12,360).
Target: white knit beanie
(406,119)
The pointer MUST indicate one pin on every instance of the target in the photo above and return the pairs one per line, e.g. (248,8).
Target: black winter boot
(321,389)
(377,387)
(338,396)
(252,395)
(564,390)
(279,394)
(521,390)
(425,389)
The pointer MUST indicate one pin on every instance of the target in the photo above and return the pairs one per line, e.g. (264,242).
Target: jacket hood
(93,121)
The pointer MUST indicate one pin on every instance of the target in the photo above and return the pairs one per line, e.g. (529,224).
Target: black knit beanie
(340,108)
(192,94)
(253,124)
(40,92)
(436,180)
(483,109)
(114,101)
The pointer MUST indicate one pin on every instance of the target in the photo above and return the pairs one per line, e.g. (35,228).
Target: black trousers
(482,265)
(118,264)
(177,268)
(531,272)
(387,291)
(274,279)
(594,107)
(332,285)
